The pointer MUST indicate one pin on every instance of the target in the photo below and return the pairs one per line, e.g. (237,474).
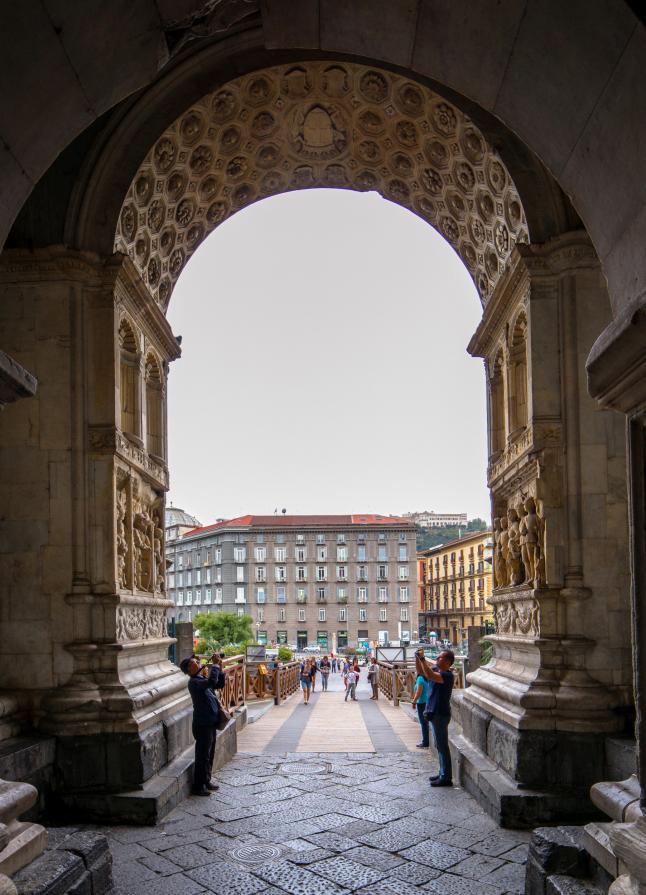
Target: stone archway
(319,124)
(297,126)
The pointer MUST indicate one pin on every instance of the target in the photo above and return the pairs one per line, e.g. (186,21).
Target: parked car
(312,648)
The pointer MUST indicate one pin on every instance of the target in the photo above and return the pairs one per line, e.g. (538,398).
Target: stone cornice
(616,365)
(132,291)
(561,255)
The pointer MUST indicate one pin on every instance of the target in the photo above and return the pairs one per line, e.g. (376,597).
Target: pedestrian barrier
(397,680)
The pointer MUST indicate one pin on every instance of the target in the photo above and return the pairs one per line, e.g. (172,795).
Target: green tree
(221,628)
(284,653)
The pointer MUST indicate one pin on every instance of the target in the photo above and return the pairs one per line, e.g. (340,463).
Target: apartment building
(455,579)
(431,519)
(339,581)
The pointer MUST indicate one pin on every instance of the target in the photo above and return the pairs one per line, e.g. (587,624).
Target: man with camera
(438,708)
(206,710)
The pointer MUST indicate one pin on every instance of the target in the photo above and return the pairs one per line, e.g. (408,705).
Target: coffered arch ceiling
(319,124)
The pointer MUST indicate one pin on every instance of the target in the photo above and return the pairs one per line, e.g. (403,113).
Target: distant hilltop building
(335,581)
(430,519)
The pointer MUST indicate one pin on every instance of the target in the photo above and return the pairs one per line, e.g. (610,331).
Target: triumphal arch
(207,107)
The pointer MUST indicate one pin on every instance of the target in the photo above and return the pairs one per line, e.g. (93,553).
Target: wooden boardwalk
(330,724)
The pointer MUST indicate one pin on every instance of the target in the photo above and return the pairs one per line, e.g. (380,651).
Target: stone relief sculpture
(122,541)
(499,565)
(158,547)
(504,551)
(516,571)
(140,623)
(532,526)
(142,527)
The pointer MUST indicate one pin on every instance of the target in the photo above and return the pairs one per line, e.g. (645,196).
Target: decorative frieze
(140,623)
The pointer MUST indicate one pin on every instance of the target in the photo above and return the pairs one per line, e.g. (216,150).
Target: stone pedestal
(558,679)
(84,477)
(20,842)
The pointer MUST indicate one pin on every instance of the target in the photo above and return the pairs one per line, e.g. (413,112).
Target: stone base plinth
(149,803)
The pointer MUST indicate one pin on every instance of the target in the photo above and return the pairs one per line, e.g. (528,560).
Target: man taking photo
(438,708)
(206,710)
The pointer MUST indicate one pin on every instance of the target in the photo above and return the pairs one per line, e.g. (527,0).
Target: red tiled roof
(281,521)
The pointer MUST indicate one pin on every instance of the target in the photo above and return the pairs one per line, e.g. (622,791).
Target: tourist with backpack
(306,680)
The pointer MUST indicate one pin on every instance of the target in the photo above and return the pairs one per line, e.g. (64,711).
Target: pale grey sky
(324,365)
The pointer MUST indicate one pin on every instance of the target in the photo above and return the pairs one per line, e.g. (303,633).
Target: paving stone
(390,886)
(357,828)
(448,884)
(392,840)
(227,879)
(178,884)
(347,873)
(333,841)
(189,856)
(297,880)
(510,877)
(518,855)
(373,857)
(159,864)
(477,866)
(497,844)
(459,837)
(413,873)
(309,857)
(436,854)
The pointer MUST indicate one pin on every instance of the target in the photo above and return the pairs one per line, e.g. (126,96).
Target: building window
(341,554)
(280,595)
(342,639)
(218,596)
(383,594)
(301,554)
(261,614)
(402,536)
(260,538)
(300,538)
(321,593)
(280,539)
(382,572)
(189,597)
(239,554)
(240,573)
(218,574)
(260,554)
(362,594)
(281,618)
(342,594)
(361,553)
(189,578)
(340,539)
(261,573)
(261,595)
(362,573)
(280,554)
(363,615)
(207,576)
(301,573)
(301,615)
(404,594)
(129,388)
(321,554)
(180,561)
(281,573)
(341,573)
(180,597)
(402,573)
(382,555)
(281,636)
(301,594)
(403,614)
(321,615)
(382,537)
(180,579)
(240,611)
(240,596)
(198,597)
(343,614)
(383,615)
(217,555)
(320,539)
(321,573)
(198,576)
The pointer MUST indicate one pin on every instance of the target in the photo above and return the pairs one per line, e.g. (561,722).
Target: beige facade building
(335,581)
(455,581)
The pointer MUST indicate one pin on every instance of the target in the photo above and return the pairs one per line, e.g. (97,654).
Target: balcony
(300,600)
(342,600)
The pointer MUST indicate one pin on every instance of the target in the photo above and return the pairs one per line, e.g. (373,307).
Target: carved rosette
(319,124)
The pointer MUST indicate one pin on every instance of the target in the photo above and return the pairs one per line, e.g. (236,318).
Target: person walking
(313,670)
(333,664)
(351,686)
(373,678)
(325,671)
(438,709)
(206,710)
(420,698)
(306,680)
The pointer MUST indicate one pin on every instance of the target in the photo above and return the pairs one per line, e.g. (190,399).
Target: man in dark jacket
(438,708)
(206,709)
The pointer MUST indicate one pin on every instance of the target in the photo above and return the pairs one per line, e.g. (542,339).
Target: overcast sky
(324,365)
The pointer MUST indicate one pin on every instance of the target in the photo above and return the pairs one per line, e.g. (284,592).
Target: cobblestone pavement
(324,822)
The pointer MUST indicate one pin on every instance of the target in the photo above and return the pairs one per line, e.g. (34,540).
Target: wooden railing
(397,681)
(276,684)
(233,694)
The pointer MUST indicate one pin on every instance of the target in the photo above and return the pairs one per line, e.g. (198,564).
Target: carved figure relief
(140,623)
(297,119)
(122,541)
(519,546)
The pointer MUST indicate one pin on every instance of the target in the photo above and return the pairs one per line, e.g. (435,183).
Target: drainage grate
(255,854)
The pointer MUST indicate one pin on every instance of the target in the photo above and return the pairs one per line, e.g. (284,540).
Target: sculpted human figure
(122,543)
(514,558)
(143,548)
(499,570)
(532,525)
(504,550)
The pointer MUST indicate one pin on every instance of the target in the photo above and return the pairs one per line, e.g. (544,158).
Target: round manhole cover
(255,854)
